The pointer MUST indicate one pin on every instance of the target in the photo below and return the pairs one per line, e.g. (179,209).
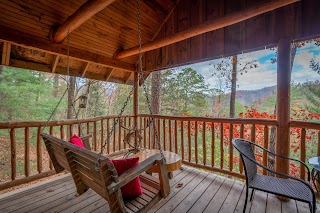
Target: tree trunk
(55,85)
(155,102)
(155,92)
(233,87)
(72,86)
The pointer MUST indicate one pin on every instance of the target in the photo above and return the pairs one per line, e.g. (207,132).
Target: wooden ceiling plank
(6,50)
(215,24)
(84,13)
(85,69)
(55,63)
(31,42)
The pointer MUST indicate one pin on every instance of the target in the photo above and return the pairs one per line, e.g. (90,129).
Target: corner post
(136,104)
(283,104)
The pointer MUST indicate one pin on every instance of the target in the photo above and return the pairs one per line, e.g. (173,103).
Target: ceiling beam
(6,50)
(215,24)
(84,13)
(55,63)
(28,41)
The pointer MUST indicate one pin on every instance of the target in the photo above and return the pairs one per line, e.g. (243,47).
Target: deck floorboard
(200,192)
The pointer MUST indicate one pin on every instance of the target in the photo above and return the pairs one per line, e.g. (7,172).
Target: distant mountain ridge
(246,97)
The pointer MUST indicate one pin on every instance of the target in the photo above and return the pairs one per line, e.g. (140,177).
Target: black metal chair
(290,187)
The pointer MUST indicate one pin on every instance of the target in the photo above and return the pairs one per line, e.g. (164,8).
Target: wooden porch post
(136,103)
(283,104)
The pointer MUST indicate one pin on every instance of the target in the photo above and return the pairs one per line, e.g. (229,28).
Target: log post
(283,104)
(136,104)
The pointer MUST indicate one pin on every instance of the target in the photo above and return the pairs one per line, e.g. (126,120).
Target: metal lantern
(83,101)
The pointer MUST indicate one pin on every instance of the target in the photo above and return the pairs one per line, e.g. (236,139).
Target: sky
(265,74)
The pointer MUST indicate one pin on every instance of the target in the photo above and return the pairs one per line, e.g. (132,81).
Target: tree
(184,92)
(71,91)
(227,69)
(156,92)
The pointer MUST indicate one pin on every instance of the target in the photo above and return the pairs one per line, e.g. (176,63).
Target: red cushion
(133,188)
(76,141)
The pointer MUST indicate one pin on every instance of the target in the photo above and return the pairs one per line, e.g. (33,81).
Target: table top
(172,159)
(315,162)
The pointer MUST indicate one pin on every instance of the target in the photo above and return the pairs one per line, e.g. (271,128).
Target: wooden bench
(106,182)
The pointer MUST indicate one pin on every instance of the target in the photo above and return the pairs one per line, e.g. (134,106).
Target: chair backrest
(81,164)
(245,149)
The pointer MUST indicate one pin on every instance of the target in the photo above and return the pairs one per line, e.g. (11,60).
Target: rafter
(84,13)
(215,24)
(109,74)
(128,78)
(26,40)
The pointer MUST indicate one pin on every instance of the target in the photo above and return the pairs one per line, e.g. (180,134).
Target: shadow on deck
(201,192)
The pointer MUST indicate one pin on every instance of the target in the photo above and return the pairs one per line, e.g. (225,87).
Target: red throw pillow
(133,188)
(75,140)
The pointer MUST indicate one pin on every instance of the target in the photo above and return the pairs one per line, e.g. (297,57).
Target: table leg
(315,177)
(170,175)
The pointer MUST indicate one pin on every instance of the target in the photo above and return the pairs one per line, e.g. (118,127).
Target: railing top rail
(257,121)
(305,124)
(23,124)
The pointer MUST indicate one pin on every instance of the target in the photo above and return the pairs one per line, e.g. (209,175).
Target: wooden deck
(201,192)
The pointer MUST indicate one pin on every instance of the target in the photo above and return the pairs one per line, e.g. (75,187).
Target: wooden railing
(202,142)
(24,158)
(205,142)
(305,142)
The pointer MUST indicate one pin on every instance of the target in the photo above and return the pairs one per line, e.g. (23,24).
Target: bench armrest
(132,173)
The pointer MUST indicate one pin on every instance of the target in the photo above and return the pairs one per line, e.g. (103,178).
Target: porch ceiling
(25,27)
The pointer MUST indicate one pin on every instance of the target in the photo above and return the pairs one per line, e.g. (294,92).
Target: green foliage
(184,92)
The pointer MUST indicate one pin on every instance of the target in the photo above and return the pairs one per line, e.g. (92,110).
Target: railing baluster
(149,134)
(318,151)
(62,132)
(27,151)
(230,147)
(88,127)
(70,131)
(124,131)
(212,145)
(95,136)
(119,136)
(253,133)
(196,141)
(114,136)
(51,133)
(140,123)
(170,136)
(13,145)
(159,133)
(303,154)
(204,143)
(176,136)
(39,151)
(221,147)
(265,145)
(102,134)
(241,136)
(189,141)
(182,142)
(164,134)
(79,129)
(108,130)
(145,132)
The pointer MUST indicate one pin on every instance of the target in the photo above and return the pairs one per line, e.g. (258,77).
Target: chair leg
(251,195)
(245,202)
